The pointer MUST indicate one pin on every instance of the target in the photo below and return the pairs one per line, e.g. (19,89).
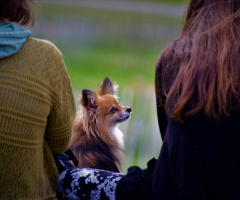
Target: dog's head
(104,105)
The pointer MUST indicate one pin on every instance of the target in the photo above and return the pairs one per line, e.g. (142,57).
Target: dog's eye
(113,110)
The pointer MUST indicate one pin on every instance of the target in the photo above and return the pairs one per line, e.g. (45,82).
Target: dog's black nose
(129,110)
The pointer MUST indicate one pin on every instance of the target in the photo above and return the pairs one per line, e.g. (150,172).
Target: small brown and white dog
(96,140)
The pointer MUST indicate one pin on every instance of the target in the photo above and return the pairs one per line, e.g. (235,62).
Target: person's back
(37,111)
(197,88)
(199,159)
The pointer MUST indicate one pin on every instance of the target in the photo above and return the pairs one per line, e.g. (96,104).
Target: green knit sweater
(37,110)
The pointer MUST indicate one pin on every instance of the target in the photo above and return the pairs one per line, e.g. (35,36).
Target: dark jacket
(199,158)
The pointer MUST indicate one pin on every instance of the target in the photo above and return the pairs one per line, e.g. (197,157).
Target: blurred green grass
(87,68)
(128,59)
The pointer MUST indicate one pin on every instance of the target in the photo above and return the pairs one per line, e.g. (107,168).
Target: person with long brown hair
(37,107)
(198,102)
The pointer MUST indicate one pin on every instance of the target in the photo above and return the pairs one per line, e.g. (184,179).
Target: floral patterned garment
(92,184)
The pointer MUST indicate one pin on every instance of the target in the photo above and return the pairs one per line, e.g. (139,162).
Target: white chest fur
(118,135)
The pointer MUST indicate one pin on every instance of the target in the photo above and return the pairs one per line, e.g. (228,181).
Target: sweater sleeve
(60,120)
(160,97)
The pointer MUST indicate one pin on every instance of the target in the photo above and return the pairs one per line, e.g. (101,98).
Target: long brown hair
(201,69)
(19,11)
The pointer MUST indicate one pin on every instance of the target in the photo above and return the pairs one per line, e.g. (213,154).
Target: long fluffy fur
(94,142)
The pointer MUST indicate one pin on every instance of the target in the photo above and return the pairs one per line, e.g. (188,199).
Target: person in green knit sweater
(37,107)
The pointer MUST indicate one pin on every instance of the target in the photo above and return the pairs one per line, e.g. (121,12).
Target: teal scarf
(12,37)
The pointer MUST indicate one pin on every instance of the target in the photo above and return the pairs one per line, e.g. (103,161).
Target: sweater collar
(12,37)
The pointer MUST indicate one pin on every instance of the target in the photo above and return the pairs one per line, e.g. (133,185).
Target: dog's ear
(89,99)
(107,87)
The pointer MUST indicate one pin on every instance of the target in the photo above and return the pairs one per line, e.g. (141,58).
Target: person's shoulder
(43,43)
(176,48)
(168,48)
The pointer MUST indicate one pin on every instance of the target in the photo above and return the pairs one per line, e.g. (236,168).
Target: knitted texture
(37,110)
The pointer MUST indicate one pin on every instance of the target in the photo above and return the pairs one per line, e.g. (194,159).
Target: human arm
(160,97)
(61,117)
